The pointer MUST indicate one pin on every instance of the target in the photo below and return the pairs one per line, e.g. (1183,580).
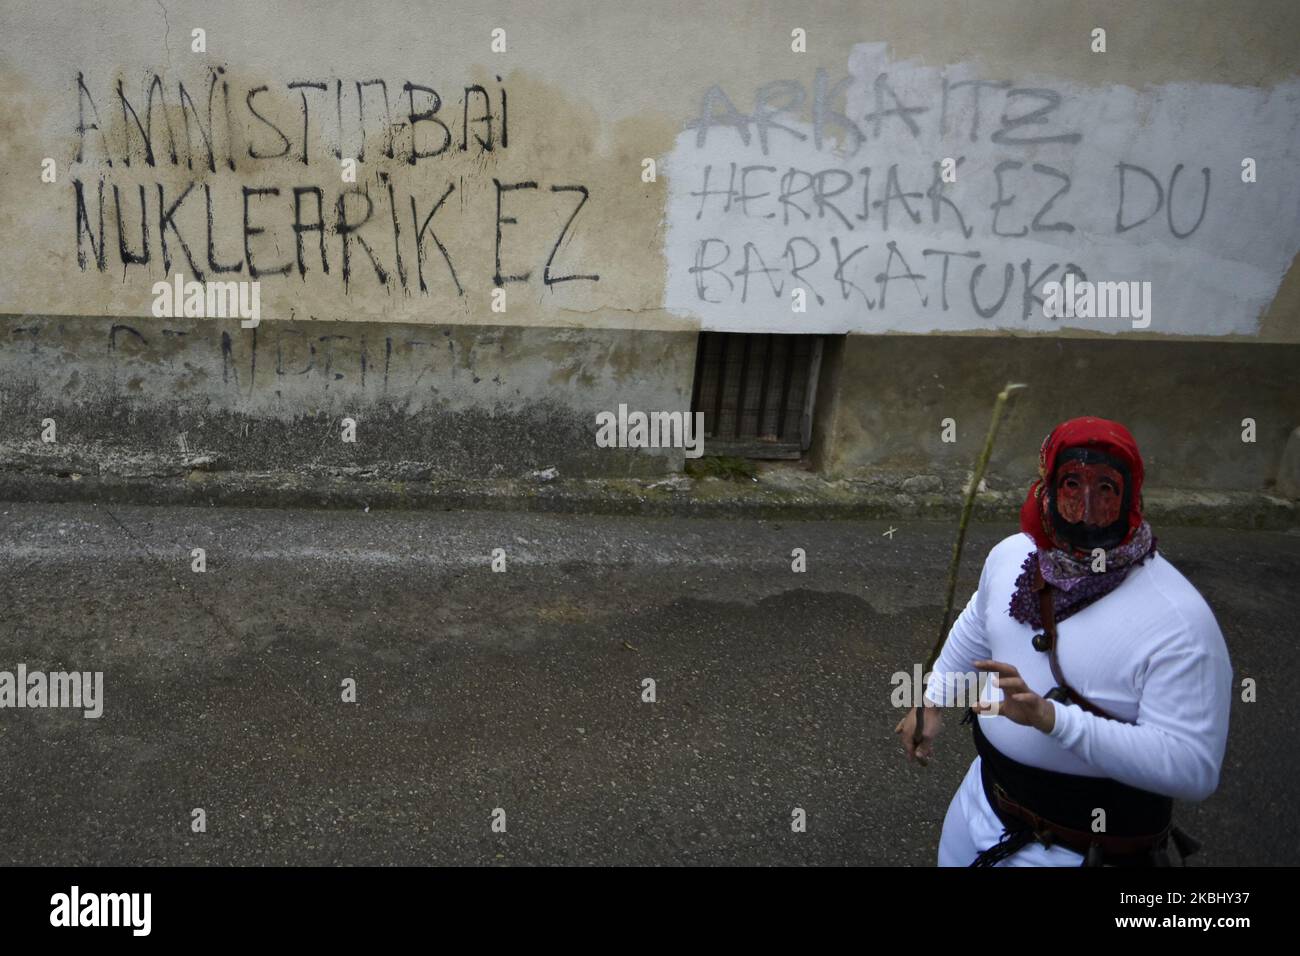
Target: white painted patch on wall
(782,189)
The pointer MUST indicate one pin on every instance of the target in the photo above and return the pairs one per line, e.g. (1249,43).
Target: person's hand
(907,727)
(1019,703)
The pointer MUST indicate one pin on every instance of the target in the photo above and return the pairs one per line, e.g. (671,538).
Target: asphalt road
(522,690)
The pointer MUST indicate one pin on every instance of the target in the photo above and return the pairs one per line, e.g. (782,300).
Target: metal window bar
(756,392)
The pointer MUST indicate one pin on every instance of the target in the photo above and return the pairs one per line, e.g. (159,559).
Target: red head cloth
(1094,433)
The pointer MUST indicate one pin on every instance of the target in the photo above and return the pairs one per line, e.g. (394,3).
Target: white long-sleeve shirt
(1150,652)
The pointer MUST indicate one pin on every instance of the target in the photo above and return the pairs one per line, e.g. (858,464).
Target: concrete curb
(798,495)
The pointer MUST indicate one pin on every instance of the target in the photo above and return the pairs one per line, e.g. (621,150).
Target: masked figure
(1113,679)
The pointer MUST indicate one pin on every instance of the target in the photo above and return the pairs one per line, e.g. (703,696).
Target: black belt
(1059,808)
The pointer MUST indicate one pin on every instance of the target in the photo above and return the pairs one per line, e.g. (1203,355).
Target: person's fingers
(1011,686)
(1005,708)
(1006,670)
(899,728)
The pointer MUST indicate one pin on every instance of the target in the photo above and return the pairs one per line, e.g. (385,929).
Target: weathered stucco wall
(522,171)
(1184,402)
(521,168)
(429,401)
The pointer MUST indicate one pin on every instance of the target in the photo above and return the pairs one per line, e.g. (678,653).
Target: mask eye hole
(1070,481)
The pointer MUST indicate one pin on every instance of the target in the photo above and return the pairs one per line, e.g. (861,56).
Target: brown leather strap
(1048,614)
(1045,831)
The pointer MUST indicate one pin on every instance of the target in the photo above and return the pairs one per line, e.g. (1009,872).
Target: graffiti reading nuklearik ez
(208,178)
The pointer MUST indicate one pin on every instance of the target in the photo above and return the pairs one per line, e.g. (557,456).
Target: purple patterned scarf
(1076,584)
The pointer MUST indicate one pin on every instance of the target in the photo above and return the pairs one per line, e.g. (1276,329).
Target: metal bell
(1041,643)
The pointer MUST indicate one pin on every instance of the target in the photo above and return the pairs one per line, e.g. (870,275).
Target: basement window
(756,392)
